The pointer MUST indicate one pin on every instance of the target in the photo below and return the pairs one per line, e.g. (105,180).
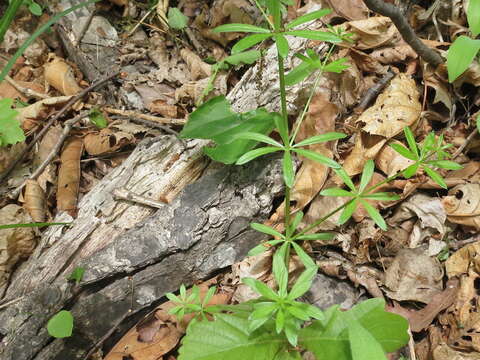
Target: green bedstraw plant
(277,325)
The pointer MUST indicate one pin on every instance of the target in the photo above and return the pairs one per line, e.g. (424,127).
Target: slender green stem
(310,97)
(264,14)
(8,17)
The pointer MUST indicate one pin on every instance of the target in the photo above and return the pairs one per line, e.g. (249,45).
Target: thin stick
(374,91)
(137,115)
(25,91)
(464,145)
(55,150)
(124,194)
(84,29)
(42,132)
(404,28)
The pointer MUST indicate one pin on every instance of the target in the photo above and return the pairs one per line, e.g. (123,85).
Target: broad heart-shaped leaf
(329,339)
(473,17)
(460,55)
(176,19)
(216,121)
(363,345)
(229,337)
(10,130)
(60,325)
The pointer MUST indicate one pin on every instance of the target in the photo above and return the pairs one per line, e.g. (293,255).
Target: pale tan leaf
(35,201)
(106,141)
(198,68)
(373,32)
(60,75)
(390,161)
(463,205)
(464,259)
(69,175)
(349,9)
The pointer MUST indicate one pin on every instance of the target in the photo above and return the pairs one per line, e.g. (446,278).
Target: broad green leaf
(259,137)
(308,17)
(362,344)
(288,173)
(76,275)
(402,150)
(329,339)
(96,118)
(315,35)
(299,73)
(375,215)
(292,327)
(382,196)
(366,175)
(282,45)
(460,55)
(35,9)
(246,57)
(173,298)
(336,192)
(347,212)
(253,154)
(319,236)
(60,325)
(303,283)
(411,170)
(412,144)
(304,257)
(10,130)
(321,138)
(446,164)
(318,158)
(263,247)
(240,28)
(229,337)
(216,121)
(249,41)
(435,176)
(473,17)
(346,179)
(263,310)
(266,230)
(336,66)
(176,19)
(260,288)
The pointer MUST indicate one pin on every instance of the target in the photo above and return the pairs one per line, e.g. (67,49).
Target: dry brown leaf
(69,175)
(8,91)
(161,107)
(464,259)
(413,276)
(119,2)
(60,75)
(106,141)
(17,243)
(373,32)
(320,207)
(470,172)
(349,9)
(463,205)
(444,352)
(390,161)
(40,109)
(397,53)
(198,68)
(10,153)
(366,148)
(35,201)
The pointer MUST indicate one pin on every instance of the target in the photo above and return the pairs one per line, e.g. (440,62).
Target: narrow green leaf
(209,295)
(366,175)
(337,192)
(280,273)
(259,249)
(319,236)
(321,138)
(298,74)
(253,154)
(260,288)
(241,28)
(246,57)
(282,45)
(308,17)
(275,11)
(460,55)
(304,257)
(176,19)
(35,9)
(279,321)
(382,196)
(282,128)
(348,212)
(375,215)
(435,177)
(336,66)
(60,325)
(402,150)
(411,170)
(39,225)
(296,221)
(266,230)
(260,138)
(263,310)
(478,124)
(346,179)
(318,158)
(446,164)
(315,35)
(173,298)
(249,41)
(298,313)
(288,173)
(183,292)
(412,144)
(292,327)
(473,17)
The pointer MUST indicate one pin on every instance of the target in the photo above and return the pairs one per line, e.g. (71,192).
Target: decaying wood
(134,255)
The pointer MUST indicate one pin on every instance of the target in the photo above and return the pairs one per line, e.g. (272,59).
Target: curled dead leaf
(60,75)
(69,175)
(39,110)
(106,141)
(373,32)
(198,68)
(390,161)
(35,201)
(464,259)
(463,205)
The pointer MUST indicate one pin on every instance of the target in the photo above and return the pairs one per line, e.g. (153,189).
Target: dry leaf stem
(404,28)
(29,93)
(62,111)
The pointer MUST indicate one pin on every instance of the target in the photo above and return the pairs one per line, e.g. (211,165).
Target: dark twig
(465,144)
(404,28)
(42,132)
(84,29)
(374,91)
